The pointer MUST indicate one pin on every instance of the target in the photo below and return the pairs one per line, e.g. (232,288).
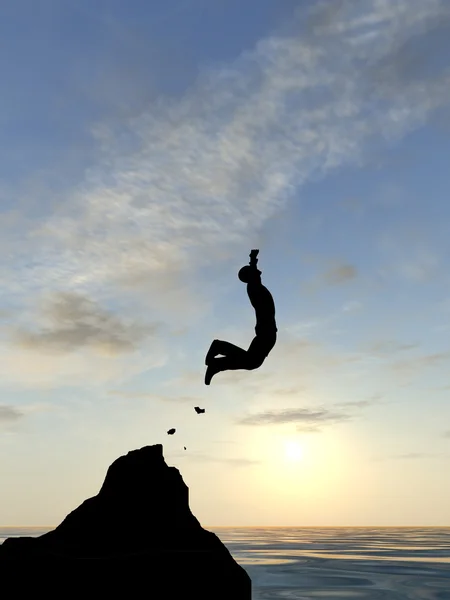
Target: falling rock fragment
(199,410)
(171,431)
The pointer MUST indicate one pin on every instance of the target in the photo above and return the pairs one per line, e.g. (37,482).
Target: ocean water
(336,563)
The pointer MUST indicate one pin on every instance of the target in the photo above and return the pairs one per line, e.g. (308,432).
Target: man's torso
(262,301)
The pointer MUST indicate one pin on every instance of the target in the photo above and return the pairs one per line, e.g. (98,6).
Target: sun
(293,451)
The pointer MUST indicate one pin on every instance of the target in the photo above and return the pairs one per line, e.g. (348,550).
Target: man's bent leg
(225,348)
(237,358)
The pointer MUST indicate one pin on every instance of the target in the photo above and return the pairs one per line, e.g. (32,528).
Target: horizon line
(269,526)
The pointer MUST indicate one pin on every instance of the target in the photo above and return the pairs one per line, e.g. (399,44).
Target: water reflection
(360,563)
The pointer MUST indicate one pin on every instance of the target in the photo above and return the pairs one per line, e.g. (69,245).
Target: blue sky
(146,148)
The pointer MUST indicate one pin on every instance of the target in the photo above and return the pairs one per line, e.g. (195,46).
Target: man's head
(249,274)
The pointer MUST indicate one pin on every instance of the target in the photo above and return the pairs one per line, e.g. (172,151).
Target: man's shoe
(210,372)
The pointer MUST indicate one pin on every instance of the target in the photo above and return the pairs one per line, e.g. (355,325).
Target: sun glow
(293,451)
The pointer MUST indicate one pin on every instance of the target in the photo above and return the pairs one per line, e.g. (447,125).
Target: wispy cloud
(205,458)
(286,391)
(9,414)
(178,186)
(340,274)
(358,403)
(305,419)
(203,171)
(26,368)
(417,364)
(412,456)
(151,396)
(70,339)
(389,347)
(73,321)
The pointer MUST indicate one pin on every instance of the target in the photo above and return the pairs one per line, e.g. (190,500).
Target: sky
(146,148)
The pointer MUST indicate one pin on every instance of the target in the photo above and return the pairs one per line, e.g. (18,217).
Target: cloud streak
(413,456)
(76,322)
(307,420)
(151,396)
(9,414)
(192,179)
(340,274)
(390,347)
(205,458)
(359,403)
(419,363)
(194,174)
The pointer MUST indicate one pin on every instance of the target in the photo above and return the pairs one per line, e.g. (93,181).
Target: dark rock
(171,431)
(141,521)
(199,410)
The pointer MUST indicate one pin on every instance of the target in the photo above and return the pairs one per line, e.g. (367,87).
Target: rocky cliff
(141,522)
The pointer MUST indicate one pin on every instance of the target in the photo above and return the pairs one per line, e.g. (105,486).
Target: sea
(329,563)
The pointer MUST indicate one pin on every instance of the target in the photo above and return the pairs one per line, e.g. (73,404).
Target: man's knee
(254,362)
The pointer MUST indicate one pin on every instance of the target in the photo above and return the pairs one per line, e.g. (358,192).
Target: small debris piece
(171,431)
(184,447)
(199,410)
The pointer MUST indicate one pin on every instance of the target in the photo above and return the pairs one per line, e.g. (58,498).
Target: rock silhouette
(171,431)
(140,520)
(199,410)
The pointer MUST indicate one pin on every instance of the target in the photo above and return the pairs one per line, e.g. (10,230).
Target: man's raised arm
(253,259)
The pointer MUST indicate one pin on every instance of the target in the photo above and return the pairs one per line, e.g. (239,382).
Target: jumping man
(232,357)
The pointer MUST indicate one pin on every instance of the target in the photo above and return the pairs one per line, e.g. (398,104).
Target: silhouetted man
(234,357)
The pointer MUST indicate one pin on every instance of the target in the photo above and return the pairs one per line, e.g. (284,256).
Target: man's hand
(253,259)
